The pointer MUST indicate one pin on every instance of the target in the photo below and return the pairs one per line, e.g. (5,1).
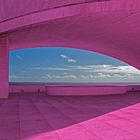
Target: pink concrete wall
(39,23)
(16,8)
(74,90)
(26,89)
(85,90)
(16,13)
(4,68)
(133,88)
(60,27)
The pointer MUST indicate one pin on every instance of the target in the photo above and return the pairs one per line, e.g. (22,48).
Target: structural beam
(4,71)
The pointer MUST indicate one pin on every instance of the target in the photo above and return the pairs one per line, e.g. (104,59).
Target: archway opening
(51,65)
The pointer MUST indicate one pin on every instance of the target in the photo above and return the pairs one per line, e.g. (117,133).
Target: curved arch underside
(110,27)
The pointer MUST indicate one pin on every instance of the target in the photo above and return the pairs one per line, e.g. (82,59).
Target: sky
(65,65)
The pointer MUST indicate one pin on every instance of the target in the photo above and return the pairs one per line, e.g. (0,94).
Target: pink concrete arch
(69,38)
(18,14)
(106,26)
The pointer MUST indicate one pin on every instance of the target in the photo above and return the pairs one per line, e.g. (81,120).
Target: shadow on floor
(25,115)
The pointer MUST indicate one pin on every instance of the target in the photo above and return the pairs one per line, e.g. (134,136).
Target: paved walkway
(42,117)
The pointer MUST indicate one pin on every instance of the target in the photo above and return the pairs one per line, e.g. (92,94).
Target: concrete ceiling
(109,27)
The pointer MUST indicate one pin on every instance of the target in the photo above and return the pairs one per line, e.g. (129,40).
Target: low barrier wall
(133,88)
(74,89)
(84,90)
(26,88)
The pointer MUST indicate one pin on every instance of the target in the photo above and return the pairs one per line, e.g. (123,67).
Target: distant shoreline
(72,84)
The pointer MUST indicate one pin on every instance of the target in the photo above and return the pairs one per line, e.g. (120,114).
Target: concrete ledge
(26,88)
(67,90)
(85,90)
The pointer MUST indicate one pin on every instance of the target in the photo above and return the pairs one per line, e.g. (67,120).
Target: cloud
(106,69)
(19,57)
(88,73)
(12,77)
(68,59)
(48,76)
(63,56)
(50,68)
(94,69)
(71,60)
(65,73)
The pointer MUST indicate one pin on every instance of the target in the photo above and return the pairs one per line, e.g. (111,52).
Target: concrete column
(4,68)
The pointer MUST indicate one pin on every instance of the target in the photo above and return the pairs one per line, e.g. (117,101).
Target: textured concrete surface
(73,89)
(42,117)
(4,68)
(110,27)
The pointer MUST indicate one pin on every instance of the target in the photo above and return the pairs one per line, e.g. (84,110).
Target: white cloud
(50,68)
(65,73)
(91,73)
(68,59)
(63,56)
(71,60)
(59,76)
(70,76)
(97,69)
(106,69)
(13,77)
(19,57)
(87,76)
(18,77)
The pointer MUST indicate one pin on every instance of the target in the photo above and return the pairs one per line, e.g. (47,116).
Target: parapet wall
(74,90)
(26,88)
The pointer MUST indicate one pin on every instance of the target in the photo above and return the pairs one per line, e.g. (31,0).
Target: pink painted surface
(40,117)
(28,7)
(110,27)
(26,89)
(4,87)
(133,88)
(85,90)
(74,89)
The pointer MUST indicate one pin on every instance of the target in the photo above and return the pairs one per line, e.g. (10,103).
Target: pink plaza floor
(42,117)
